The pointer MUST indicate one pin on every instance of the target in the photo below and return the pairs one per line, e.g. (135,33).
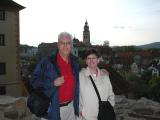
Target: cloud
(123,27)
(119,27)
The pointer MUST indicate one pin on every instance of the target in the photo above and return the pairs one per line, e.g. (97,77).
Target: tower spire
(86,34)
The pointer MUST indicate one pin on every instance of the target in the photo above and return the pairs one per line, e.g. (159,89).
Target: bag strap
(94,85)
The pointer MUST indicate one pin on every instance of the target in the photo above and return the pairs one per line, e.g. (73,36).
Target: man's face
(65,46)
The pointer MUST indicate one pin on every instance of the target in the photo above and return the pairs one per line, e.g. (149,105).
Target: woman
(88,97)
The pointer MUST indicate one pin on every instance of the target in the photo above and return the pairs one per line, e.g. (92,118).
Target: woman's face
(92,61)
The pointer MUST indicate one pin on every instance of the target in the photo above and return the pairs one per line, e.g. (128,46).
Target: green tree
(140,86)
(154,85)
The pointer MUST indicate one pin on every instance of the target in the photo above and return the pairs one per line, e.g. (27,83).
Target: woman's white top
(88,97)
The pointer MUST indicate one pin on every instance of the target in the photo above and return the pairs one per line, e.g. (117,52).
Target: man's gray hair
(63,34)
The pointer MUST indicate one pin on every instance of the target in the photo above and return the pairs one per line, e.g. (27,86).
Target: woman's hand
(104,72)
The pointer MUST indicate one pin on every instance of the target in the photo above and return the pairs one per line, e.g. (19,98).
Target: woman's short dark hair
(92,51)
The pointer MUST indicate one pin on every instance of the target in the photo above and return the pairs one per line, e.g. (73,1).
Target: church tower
(86,34)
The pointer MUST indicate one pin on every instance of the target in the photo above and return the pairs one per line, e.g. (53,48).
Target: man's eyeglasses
(65,43)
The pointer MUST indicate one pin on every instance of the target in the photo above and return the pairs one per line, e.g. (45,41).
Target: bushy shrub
(154,85)
(140,87)
(146,75)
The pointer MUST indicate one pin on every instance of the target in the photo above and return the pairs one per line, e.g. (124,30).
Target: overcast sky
(121,22)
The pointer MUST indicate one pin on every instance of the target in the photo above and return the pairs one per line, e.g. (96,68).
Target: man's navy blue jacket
(43,77)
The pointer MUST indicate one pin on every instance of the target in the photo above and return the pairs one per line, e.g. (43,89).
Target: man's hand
(104,72)
(59,81)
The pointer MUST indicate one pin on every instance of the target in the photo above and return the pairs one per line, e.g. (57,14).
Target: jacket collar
(53,59)
(88,73)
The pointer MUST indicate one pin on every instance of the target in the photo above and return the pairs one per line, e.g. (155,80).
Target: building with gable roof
(9,48)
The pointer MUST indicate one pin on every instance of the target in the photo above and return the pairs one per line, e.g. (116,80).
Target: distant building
(9,48)
(28,51)
(45,49)
(86,34)
(134,68)
(127,58)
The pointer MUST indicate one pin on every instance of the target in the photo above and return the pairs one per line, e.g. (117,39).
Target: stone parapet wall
(12,108)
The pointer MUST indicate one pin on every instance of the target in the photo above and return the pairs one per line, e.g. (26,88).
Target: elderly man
(60,81)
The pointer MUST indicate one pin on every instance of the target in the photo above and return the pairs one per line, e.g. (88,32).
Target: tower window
(2,15)
(2,40)
(2,68)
